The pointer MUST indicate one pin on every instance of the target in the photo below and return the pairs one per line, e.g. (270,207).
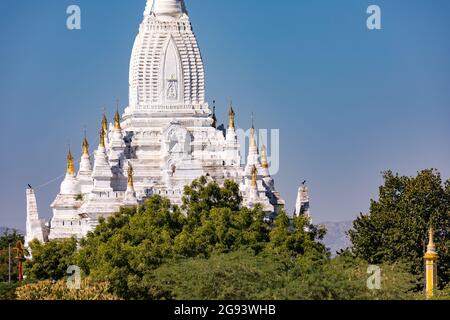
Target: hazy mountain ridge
(336,237)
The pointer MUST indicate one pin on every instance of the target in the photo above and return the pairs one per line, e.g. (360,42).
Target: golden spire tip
(70,165)
(254,176)
(130,175)
(231,115)
(117,120)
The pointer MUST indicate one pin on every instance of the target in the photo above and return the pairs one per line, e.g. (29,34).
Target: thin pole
(9,263)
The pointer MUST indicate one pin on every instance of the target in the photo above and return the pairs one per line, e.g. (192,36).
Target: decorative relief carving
(172,88)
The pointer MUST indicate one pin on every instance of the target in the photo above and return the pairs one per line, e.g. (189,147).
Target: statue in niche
(178,142)
(172,88)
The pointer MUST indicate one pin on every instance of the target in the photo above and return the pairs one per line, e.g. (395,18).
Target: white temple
(166,138)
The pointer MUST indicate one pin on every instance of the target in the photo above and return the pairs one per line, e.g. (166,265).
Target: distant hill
(336,238)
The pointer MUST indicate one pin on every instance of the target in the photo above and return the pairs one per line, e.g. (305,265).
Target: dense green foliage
(212,247)
(10,237)
(443,294)
(396,228)
(50,261)
(244,275)
(8,290)
(128,247)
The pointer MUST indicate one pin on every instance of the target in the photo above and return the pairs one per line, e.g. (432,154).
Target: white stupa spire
(85,162)
(117,144)
(85,172)
(253,152)
(35,226)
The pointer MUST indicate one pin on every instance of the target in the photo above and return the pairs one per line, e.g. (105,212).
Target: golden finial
(117,121)
(254,176)
(104,123)
(70,165)
(431,248)
(231,114)
(431,271)
(130,175)
(117,116)
(85,145)
(264,162)
(102,137)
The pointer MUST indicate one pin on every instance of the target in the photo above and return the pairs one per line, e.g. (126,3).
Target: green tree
(203,195)
(226,276)
(242,275)
(10,237)
(396,227)
(8,290)
(128,247)
(209,248)
(296,237)
(51,260)
(345,278)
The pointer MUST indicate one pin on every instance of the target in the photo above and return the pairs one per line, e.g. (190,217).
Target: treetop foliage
(128,247)
(396,227)
(211,247)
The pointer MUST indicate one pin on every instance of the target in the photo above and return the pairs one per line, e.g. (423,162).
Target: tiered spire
(231,115)
(85,146)
(253,146)
(254,176)
(70,185)
(101,171)
(104,123)
(252,192)
(265,169)
(130,176)
(264,162)
(85,171)
(117,121)
(130,195)
(102,137)
(116,144)
(70,165)
(431,257)
(253,153)
(232,142)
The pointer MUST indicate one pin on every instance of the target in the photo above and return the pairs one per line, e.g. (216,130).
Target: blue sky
(349,102)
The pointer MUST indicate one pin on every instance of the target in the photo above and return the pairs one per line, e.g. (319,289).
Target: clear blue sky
(350,102)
